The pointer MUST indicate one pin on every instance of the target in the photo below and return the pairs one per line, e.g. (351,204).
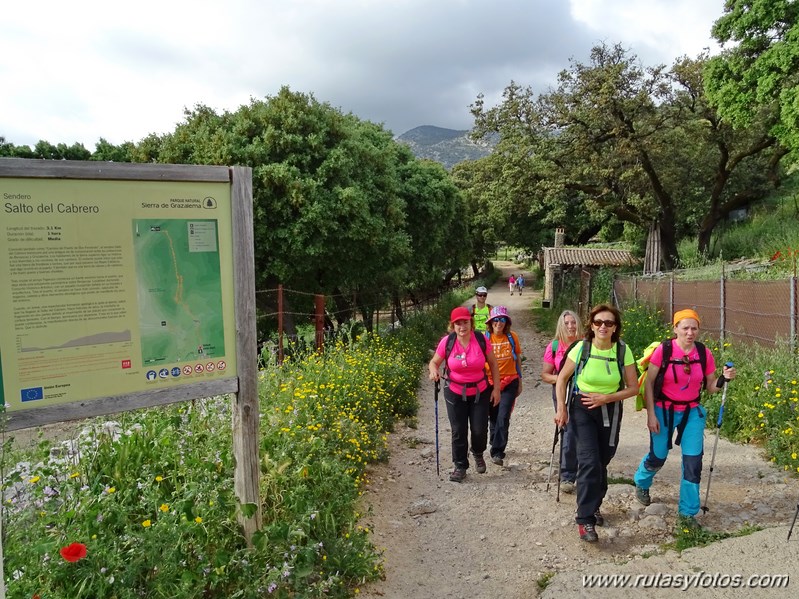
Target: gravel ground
(502,534)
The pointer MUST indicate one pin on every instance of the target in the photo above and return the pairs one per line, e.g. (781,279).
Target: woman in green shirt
(595,408)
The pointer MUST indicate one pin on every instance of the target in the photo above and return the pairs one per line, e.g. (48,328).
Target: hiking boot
(642,495)
(600,519)
(497,460)
(458,475)
(480,463)
(567,486)
(588,533)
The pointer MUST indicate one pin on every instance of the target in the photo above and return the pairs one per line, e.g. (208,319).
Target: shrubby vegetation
(144,506)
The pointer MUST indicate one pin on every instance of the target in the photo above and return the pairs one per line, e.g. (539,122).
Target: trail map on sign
(179,289)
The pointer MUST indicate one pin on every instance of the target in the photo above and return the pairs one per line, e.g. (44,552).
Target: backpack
(643,366)
(474,308)
(585,353)
(512,351)
(481,341)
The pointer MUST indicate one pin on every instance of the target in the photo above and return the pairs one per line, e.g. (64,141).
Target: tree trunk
(475,269)
(399,313)
(344,309)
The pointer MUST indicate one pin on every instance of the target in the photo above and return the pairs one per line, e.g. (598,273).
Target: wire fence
(746,311)
(294,323)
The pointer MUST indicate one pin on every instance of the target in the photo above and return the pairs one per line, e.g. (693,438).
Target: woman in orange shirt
(508,351)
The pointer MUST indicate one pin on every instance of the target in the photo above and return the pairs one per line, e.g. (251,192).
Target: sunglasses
(481,294)
(501,319)
(686,364)
(599,322)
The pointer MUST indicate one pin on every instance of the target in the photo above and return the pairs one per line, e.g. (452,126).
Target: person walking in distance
(520,283)
(677,373)
(604,375)
(480,309)
(511,284)
(567,331)
(508,350)
(467,395)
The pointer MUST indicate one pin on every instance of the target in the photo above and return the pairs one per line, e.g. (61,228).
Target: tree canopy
(760,72)
(340,208)
(616,142)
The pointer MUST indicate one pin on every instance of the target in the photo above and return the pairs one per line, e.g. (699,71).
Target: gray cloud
(402,63)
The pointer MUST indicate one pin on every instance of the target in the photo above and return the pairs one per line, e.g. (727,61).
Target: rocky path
(502,535)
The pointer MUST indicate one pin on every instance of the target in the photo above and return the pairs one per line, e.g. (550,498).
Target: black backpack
(658,388)
(666,360)
(585,353)
(481,341)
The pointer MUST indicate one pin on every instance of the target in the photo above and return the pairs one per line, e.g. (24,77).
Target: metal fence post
(722,304)
(671,294)
(319,321)
(280,323)
(793,314)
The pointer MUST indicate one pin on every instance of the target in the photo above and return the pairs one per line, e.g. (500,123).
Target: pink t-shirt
(559,353)
(688,385)
(465,366)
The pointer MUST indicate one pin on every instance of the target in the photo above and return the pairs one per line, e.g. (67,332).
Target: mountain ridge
(446,146)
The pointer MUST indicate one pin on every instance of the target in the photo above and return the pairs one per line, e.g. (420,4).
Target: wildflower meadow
(144,506)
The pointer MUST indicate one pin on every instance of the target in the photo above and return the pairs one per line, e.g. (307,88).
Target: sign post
(129,286)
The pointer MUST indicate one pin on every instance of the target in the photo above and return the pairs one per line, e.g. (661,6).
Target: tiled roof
(589,257)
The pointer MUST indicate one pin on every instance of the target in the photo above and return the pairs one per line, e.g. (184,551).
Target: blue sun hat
(498,312)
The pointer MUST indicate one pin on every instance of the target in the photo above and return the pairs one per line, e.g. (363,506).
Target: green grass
(544,580)
(620,480)
(770,228)
(687,536)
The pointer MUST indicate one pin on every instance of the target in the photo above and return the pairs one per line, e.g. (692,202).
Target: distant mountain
(447,146)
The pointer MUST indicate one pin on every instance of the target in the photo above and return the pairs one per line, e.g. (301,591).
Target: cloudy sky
(78,71)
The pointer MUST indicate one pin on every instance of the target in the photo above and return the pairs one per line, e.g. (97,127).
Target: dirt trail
(502,535)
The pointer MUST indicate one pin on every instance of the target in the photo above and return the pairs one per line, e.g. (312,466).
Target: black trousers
(596,446)
(465,416)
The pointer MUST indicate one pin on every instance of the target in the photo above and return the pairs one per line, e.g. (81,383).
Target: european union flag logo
(32,394)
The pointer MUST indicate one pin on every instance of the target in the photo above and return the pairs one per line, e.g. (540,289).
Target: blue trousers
(465,417)
(499,418)
(568,453)
(692,445)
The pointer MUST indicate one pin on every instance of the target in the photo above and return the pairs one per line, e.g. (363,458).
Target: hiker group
(591,374)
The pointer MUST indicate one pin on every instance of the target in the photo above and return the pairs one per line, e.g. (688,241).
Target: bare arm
(711,380)
(561,416)
(494,366)
(433,367)
(548,373)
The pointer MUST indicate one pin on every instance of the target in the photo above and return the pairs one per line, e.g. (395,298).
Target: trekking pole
(790,530)
(560,463)
(552,457)
(716,442)
(438,467)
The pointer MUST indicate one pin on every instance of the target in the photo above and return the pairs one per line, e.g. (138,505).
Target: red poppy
(73,552)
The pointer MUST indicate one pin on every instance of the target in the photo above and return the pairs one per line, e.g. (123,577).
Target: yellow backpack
(643,365)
